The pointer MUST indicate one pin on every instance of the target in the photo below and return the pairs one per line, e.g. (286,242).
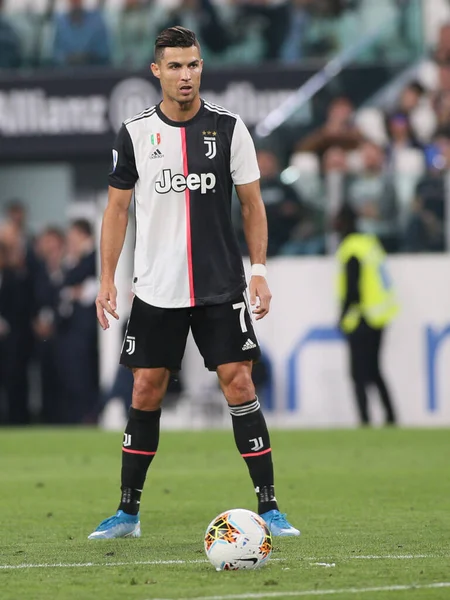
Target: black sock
(253,442)
(139,446)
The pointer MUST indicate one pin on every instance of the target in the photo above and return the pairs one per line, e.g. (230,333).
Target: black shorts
(156,337)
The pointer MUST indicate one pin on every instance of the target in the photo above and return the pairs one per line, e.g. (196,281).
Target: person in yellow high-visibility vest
(368,306)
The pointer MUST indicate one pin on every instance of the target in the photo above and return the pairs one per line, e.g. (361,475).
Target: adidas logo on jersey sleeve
(156,154)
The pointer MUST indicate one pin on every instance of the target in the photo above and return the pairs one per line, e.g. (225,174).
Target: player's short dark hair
(174,37)
(82,225)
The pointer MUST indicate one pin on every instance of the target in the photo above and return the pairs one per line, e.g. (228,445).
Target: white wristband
(259,270)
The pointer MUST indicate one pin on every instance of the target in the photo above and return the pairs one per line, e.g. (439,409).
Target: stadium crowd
(391,163)
(80,33)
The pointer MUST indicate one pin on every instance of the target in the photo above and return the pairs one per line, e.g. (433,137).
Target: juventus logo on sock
(258,444)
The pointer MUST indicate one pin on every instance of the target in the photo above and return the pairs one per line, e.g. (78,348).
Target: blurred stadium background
(346,99)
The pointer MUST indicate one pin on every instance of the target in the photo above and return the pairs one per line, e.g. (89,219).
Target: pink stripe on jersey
(138,452)
(187,196)
(256,453)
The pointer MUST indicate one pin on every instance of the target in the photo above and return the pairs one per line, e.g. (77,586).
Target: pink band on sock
(138,452)
(256,453)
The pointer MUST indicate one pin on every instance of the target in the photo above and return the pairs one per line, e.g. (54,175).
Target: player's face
(179,72)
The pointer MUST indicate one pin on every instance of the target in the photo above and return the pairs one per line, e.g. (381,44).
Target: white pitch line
(112,564)
(91,564)
(200,561)
(388,588)
(395,556)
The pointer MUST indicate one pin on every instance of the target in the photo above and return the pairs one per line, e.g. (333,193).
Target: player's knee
(239,389)
(147,394)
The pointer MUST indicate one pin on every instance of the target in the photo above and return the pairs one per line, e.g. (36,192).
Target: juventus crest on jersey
(183,173)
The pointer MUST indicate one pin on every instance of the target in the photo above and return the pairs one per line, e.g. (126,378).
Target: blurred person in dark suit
(16,221)
(367,307)
(77,327)
(50,247)
(8,316)
(20,336)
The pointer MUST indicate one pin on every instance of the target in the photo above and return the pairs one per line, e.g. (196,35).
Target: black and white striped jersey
(183,173)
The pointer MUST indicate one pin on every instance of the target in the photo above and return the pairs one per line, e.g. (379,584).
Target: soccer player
(182,158)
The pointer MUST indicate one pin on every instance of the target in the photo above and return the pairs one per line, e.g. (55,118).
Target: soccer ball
(238,539)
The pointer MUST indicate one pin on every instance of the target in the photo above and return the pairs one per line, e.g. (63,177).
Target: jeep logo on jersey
(178,182)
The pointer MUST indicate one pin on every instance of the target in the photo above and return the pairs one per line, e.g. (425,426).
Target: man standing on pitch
(182,158)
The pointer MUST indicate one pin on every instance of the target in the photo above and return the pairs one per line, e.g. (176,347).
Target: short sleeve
(123,174)
(243,164)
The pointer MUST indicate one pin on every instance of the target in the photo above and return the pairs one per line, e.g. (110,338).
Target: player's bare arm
(114,227)
(255,229)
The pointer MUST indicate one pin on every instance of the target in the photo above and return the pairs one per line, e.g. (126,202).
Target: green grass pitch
(373,503)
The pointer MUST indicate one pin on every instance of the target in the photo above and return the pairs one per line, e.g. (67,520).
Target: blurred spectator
(274,18)
(293,48)
(338,130)
(400,136)
(16,213)
(136,31)
(435,73)
(415,104)
(202,17)
(10,50)
(335,159)
(442,52)
(425,230)
(77,327)
(410,97)
(371,194)
(22,251)
(294,227)
(442,111)
(283,206)
(81,37)
(48,280)
(323,34)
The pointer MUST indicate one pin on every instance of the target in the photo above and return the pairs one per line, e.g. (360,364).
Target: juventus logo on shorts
(131,341)
(211,144)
